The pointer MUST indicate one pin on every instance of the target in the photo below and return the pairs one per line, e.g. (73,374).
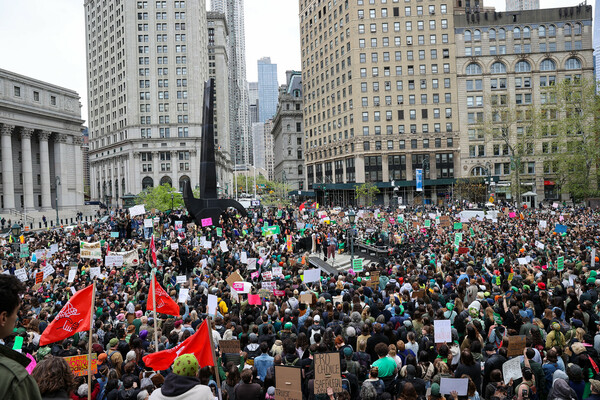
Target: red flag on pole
(74,317)
(164,303)
(153,250)
(198,344)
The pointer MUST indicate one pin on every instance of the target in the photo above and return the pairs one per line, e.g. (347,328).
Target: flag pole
(154,304)
(89,357)
(214,357)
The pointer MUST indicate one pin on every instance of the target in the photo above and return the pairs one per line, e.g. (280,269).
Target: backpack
(147,380)
(291,364)
(346,384)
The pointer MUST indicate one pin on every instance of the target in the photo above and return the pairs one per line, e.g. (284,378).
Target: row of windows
(36,95)
(523,48)
(160,4)
(182,131)
(499,67)
(524,32)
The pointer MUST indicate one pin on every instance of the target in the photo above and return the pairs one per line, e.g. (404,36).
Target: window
(573,63)
(17,91)
(542,31)
(552,31)
(523,66)
(53,100)
(476,35)
(473,69)
(516,33)
(567,30)
(548,65)
(501,34)
(492,34)
(36,96)
(498,68)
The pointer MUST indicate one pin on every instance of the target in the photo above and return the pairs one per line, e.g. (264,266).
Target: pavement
(342,262)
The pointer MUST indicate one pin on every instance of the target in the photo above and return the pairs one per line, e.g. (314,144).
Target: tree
(367,192)
(161,198)
(572,124)
(471,188)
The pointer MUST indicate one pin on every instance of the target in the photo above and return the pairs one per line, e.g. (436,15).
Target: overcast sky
(45,39)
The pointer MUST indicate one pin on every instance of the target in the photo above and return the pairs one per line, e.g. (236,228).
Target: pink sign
(206,221)
(238,286)
(277,292)
(561,218)
(260,261)
(31,365)
(254,275)
(254,299)
(512,215)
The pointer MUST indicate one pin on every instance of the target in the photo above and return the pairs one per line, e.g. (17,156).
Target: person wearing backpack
(555,337)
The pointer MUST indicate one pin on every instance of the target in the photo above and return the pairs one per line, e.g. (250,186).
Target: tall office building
(596,41)
(288,135)
(521,5)
(380,98)
(268,89)
(253,101)
(506,64)
(240,140)
(146,67)
(218,70)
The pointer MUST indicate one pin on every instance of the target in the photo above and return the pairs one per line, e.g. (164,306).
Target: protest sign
(21,273)
(234,277)
(180,279)
(90,250)
(516,344)
(224,247)
(442,330)
(306,298)
(327,373)
(244,257)
(137,210)
(130,258)
(24,250)
(312,275)
(269,285)
(183,295)
(229,346)
(278,271)
(251,264)
(459,385)
(357,265)
(94,271)
(206,222)
(48,270)
(374,281)
(288,383)
(113,261)
(560,228)
(254,299)
(79,364)
(512,369)
(39,277)
(211,308)
(148,223)
(242,287)
(560,264)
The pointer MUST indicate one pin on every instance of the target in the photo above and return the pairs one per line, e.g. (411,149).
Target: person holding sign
(15,381)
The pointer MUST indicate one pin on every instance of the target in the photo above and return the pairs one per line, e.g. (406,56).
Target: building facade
(218,71)
(268,89)
(41,156)
(380,98)
(288,135)
(240,135)
(146,67)
(253,101)
(506,64)
(521,5)
(269,154)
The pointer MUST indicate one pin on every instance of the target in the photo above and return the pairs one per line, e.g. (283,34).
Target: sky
(45,39)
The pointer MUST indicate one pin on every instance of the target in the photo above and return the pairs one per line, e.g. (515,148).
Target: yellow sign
(491,200)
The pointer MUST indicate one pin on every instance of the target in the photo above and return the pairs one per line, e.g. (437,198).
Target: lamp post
(57,183)
(488,168)
(425,166)
(351,218)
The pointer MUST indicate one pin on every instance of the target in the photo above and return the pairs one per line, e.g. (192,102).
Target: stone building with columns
(40,154)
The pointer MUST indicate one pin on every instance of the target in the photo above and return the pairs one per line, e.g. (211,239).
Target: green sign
(279,214)
(457,239)
(427,223)
(24,251)
(219,232)
(357,265)
(560,264)
(458,225)
(271,230)
(401,218)
(472,232)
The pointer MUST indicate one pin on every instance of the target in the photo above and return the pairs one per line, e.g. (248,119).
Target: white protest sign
(244,257)
(48,270)
(539,245)
(251,264)
(442,331)
(312,275)
(73,291)
(512,370)
(183,295)
(181,279)
(72,275)
(224,247)
(543,224)
(21,273)
(174,246)
(212,305)
(207,244)
(277,271)
(148,223)
(522,260)
(459,385)
(54,248)
(593,260)
(137,210)
(94,271)
(113,261)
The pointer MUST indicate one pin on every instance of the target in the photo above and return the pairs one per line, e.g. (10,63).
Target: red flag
(164,303)
(107,248)
(74,317)
(198,344)
(153,250)
(301,208)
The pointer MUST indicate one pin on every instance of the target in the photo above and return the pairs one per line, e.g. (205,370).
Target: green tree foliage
(366,192)
(472,189)
(160,198)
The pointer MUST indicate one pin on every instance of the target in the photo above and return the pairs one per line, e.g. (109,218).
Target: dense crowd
(504,276)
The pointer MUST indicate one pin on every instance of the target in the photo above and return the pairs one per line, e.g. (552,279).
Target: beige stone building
(505,63)
(146,67)
(380,98)
(41,158)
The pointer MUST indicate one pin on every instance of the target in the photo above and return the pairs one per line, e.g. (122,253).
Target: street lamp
(488,168)
(57,183)
(351,218)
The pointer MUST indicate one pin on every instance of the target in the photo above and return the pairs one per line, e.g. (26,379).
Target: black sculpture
(208,205)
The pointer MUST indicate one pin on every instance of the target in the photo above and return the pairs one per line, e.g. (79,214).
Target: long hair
(53,374)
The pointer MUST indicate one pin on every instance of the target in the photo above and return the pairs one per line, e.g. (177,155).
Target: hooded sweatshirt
(178,387)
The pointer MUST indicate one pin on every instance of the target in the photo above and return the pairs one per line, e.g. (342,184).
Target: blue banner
(560,228)
(419,179)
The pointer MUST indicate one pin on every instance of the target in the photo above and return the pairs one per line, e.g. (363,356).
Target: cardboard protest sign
(288,383)
(516,344)
(327,373)
(229,346)
(442,330)
(234,277)
(374,281)
(79,364)
(306,298)
(417,293)
(445,221)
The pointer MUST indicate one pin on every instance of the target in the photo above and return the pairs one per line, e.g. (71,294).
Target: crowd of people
(508,275)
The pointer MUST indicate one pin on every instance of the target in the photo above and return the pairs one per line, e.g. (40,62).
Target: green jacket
(15,381)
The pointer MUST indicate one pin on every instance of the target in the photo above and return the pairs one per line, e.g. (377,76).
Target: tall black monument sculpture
(208,205)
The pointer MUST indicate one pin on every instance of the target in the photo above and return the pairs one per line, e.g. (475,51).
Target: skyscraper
(146,67)
(238,87)
(268,89)
(520,5)
(253,101)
